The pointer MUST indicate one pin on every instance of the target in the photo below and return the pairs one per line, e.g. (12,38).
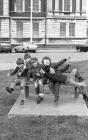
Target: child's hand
(42,71)
(8,74)
(52,71)
(37,74)
(68,58)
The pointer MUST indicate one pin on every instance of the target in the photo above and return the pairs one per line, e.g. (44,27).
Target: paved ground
(67,105)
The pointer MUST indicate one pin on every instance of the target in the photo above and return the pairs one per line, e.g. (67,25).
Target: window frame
(19,28)
(62,29)
(35,28)
(66,5)
(38,8)
(21,6)
(0,27)
(72,30)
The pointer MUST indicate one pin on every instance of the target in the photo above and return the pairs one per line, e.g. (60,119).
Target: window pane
(36,5)
(35,29)
(66,5)
(0,28)
(62,29)
(49,4)
(71,29)
(19,29)
(19,5)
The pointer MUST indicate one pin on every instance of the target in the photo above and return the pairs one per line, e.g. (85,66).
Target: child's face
(35,63)
(46,62)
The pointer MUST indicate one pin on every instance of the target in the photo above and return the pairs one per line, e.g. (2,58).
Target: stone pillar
(77,7)
(83,7)
(62,7)
(56,7)
(23,5)
(5,7)
(49,7)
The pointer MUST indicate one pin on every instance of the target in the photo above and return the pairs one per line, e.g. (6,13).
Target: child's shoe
(56,101)
(85,97)
(22,102)
(10,90)
(39,99)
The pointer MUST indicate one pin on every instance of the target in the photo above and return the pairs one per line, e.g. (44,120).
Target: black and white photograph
(43,69)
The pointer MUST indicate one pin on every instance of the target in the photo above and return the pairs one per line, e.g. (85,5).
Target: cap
(20,61)
(27,55)
(34,59)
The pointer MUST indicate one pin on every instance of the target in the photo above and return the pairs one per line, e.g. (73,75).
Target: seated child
(20,78)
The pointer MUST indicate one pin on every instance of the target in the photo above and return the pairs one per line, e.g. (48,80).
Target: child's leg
(41,91)
(28,75)
(12,86)
(56,92)
(81,85)
(36,86)
(71,80)
(23,84)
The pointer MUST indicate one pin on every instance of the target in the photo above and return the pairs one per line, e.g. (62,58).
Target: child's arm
(61,62)
(14,71)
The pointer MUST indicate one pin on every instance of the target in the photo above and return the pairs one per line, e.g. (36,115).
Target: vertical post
(9,30)
(77,7)
(83,7)
(31,20)
(45,31)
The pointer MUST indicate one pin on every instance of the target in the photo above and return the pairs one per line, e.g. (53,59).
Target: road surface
(7,61)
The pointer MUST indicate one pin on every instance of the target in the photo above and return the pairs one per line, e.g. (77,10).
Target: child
(34,73)
(20,78)
(69,80)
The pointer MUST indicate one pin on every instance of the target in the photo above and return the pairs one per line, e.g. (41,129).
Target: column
(71,8)
(56,7)
(5,7)
(49,7)
(23,5)
(62,7)
(83,7)
(77,7)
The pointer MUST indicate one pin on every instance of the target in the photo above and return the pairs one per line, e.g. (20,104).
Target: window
(19,6)
(0,28)
(67,5)
(36,5)
(62,29)
(49,5)
(35,29)
(19,29)
(71,29)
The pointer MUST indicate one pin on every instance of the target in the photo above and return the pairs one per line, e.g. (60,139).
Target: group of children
(45,73)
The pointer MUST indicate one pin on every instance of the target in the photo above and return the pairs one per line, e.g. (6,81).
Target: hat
(27,55)
(34,59)
(44,58)
(20,61)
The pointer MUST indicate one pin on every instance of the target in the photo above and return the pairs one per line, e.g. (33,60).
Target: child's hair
(34,59)
(27,55)
(44,58)
(20,61)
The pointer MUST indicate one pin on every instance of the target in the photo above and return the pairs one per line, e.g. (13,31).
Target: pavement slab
(67,106)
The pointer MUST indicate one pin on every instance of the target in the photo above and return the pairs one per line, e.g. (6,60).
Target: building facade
(4,21)
(59,22)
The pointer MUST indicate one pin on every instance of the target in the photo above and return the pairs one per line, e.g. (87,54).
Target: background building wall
(46,21)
